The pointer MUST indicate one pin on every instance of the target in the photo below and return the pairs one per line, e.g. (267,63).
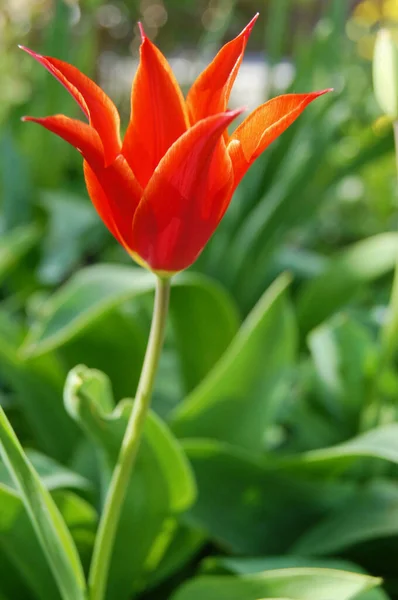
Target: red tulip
(163,190)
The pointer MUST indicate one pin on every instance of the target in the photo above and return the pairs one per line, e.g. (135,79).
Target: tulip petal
(185,197)
(80,135)
(93,101)
(115,193)
(158,113)
(100,201)
(263,126)
(210,92)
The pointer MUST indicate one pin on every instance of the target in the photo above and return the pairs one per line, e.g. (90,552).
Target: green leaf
(252,508)
(216,565)
(81,519)
(37,384)
(235,402)
(15,245)
(186,543)
(379,443)
(246,566)
(85,300)
(23,565)
(72,230)
(115,343)
(27,566)
(344,277)
(46,519)
(297,584)
(342,351)
(371,513)
(22,562)
(92,292)
(162,485)
(52,474)
(97,318)
(15,184)
(205,320)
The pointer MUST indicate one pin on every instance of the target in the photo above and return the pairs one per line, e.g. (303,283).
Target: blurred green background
(301,375)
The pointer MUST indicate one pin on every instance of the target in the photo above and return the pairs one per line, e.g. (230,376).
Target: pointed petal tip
(237,111)
(31,52)
(248,29)
(230,115)
(142,32)
(26,119)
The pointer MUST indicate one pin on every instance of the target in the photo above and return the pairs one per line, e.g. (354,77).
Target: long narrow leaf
(48,523)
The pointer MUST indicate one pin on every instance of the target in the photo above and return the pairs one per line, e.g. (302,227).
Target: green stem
(388,341)
(390,330)
(105,537)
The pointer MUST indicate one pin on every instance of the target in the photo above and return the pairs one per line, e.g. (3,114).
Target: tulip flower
(164,189)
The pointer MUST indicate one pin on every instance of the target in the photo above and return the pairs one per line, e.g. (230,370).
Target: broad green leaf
(247,566)
(344,277)
(186,543)
(45,517)
(343,352)
(12,584)
(375,594)
(52,474)
(161,488)
(20,548)
(115,343)
(238,398)
(371,513)
(298,584)
(37,384)
(92,292)
(15,245)
(72,230)
(77,315)
(251,508)
(22,561)
(15,185)
(205,320)
(380,443)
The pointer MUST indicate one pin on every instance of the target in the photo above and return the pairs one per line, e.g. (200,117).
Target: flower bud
(385,72)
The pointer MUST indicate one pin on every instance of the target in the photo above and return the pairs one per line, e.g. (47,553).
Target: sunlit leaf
(237,399)
(49,526)
(297,584)
(344,277)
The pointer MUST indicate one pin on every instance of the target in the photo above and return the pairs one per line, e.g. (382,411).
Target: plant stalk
(109,521)
(395,128)
(388,340)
